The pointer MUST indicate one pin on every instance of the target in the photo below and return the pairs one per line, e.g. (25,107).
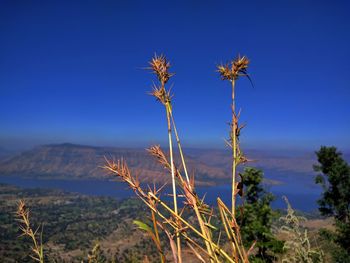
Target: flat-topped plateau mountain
(84,162)
(210,166)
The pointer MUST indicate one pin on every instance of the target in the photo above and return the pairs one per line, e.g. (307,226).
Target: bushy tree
(335,201)
(256,217)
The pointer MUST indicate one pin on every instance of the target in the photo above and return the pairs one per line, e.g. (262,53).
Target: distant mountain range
(83,162)
(5,153)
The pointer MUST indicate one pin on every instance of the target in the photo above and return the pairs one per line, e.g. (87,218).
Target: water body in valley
(302,194)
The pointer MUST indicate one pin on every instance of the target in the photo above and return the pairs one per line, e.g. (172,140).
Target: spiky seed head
(225,72)
(160,66)
(119,168)
(21,207)
(236,68)
(23,214)
(158,153)
(161,94)
(240,65)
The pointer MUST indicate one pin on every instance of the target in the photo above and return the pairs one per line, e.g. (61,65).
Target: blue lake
(302,196)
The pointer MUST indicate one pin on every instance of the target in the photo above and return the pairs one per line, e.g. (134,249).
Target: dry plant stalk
(24,220)
(160,66)
(168,219)
(231,72)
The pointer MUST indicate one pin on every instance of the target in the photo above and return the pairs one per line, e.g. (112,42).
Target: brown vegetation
(169,219)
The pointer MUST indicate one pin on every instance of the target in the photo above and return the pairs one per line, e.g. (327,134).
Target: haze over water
(302,196)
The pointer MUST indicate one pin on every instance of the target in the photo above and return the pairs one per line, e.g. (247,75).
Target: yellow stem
(154,220)
(226,227)
(178,240)
(235,237)
(234,150)
(216,247)
(199,216)
(38,250)
(180,150)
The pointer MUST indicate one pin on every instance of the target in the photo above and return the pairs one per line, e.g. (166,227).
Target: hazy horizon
(282,149)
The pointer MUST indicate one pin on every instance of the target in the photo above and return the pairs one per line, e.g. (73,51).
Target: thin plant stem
(169,215)
(178,240)
(27,230)
(180,149)
(120,169)
(216,247)
(154,220)
(234,150)
(195,206)
(226,227)
(236,237)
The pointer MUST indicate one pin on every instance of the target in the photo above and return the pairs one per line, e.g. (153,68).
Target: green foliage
(143,226)
(256,218)
(335,179)
(71,223)
(297,246)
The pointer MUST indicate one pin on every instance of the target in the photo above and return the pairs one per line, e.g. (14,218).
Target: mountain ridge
(83,162)
(210,166)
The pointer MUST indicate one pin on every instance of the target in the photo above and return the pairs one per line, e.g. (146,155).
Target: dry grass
(231,72)
(202,238)
(199,237)
(37,248)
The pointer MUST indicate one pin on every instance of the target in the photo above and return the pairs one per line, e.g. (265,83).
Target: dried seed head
(23,216)
(110,166)
(21,208)
(231,71)
(119,168)
(240,66)
(190,196)
(161,94)
(225,72)
(160,66)
(157,152)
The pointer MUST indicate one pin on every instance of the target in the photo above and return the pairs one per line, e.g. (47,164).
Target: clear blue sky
(72,71)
